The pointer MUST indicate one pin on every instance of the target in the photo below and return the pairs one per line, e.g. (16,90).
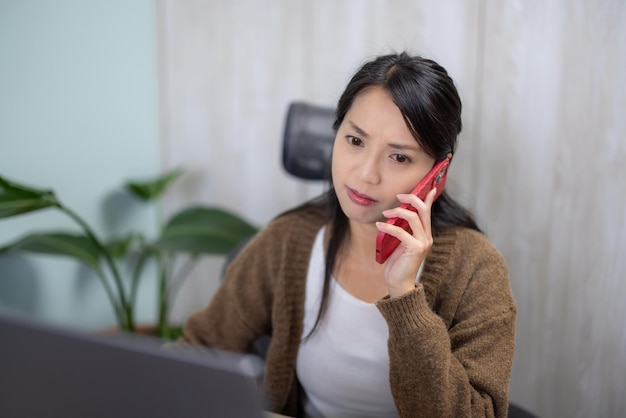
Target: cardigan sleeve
(260,285)
(263,294)
(240,311)
(457,365)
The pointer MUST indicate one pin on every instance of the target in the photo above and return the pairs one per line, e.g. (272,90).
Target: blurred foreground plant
(192,232)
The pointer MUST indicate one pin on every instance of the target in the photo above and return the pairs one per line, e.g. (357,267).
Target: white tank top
(344,366)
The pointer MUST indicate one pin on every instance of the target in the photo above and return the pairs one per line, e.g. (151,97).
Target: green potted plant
(191,232)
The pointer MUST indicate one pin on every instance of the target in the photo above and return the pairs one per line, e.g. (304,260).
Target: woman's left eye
(400,158)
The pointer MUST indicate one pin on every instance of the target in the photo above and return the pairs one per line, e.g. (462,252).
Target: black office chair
(307,144)
(519,412)
(308,140)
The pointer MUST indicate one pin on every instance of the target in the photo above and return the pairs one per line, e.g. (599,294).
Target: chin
(364,218)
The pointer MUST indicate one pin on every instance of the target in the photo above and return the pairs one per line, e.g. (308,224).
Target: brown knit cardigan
(451,340)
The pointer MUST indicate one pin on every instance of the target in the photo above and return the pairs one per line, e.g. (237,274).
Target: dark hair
(430,104)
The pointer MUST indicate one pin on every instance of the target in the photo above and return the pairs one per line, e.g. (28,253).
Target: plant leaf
(152,189)
(204,230)
(120,247)
(58,243)
(17,199)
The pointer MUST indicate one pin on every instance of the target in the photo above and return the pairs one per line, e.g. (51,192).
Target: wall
(230,69)
(552,127)
(538,162)
(78,114)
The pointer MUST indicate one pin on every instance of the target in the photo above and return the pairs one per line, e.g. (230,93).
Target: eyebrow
(401,147)
(358,130)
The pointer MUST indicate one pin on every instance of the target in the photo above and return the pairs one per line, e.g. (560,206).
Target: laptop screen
(48,371)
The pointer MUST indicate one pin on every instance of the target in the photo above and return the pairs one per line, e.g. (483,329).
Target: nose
(369,170)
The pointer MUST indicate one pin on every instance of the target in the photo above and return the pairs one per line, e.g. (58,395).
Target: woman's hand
(403,264)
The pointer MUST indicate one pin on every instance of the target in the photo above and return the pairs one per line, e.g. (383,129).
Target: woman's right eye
(353,140)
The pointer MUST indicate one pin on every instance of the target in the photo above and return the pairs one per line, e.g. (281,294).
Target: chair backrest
(308,140)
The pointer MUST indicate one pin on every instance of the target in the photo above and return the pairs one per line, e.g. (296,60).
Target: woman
(428,333)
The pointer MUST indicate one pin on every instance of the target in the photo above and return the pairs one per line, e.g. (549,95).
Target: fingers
(419,219)
(403,264)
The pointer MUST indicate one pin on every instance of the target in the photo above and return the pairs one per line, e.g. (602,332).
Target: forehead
(374,113)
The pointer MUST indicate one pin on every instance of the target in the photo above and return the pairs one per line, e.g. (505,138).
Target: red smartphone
(436,177)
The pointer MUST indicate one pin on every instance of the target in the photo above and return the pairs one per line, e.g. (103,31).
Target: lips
(360,199)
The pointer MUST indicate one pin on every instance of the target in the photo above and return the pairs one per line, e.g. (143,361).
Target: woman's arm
(455,362)
(240,310)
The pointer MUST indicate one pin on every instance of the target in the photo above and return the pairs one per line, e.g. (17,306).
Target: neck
(361,243)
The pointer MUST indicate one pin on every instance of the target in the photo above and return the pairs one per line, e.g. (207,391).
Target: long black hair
(431,106)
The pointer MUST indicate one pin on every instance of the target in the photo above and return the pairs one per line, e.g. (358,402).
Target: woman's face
(375,157)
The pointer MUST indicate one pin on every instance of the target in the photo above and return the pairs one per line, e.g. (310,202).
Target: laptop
(48,371)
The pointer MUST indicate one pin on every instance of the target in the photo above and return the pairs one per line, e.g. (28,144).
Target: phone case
(436,177)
